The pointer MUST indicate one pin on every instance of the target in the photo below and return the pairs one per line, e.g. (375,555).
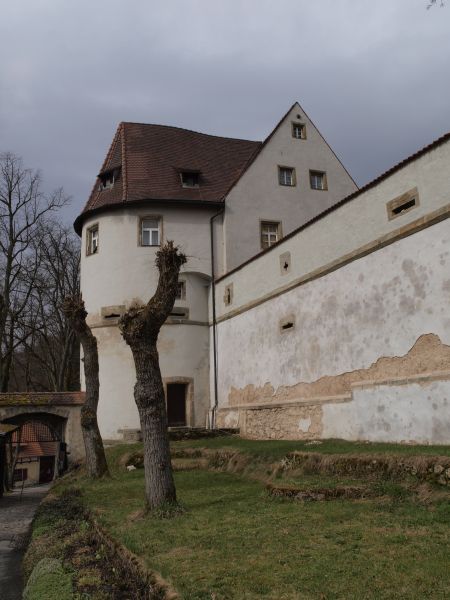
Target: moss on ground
(49,581)
(66,560)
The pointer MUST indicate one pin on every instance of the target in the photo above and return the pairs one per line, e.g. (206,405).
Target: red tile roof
(151,158)
(35,440)
(33,449)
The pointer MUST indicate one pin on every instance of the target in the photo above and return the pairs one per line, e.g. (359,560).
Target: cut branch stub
(75,312)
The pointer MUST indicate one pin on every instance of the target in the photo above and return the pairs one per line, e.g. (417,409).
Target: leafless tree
(140,327)
(95,454)
(23,206)
(49,357)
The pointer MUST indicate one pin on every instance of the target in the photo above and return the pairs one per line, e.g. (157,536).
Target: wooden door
(176,404)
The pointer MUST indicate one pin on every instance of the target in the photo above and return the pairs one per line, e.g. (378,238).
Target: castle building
(222,201)
(308,308)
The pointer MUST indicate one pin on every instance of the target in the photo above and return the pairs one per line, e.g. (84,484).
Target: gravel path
(16,514)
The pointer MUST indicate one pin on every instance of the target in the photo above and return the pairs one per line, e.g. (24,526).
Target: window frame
(282,168)
(315,173)
(264,222)
(112,175)
(89,238)
(411,198)
(295,124)
(182,283)
(228,294)
(141,230)
(192,172)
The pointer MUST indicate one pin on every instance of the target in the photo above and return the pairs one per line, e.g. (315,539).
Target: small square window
(318,180)
(270,233)
(92,240)
(299,131)
(150,231)
(228,294)
(190,179)
(181,290)
(286,176)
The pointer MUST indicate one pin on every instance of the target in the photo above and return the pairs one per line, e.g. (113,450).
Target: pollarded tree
(140,328)
(76,314)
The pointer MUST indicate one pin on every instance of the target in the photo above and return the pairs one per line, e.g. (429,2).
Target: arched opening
(39,452)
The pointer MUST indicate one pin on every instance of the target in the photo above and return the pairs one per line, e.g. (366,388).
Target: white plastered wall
(377,305)
(123,272)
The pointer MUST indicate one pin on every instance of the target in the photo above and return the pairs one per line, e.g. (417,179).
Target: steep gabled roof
(151,158)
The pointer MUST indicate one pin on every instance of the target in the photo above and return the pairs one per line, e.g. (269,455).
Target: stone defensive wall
(342,329)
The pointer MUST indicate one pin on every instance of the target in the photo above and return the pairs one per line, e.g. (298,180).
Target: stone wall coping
(42,399)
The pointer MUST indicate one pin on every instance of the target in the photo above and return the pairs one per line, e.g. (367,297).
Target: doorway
(46,469)
(176,404)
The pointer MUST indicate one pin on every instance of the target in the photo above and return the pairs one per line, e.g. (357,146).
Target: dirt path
(16,514)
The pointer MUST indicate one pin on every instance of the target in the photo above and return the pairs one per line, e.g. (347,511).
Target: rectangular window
(299,131)
(270,233)
(150,231)
(286,176)
(92,240)
(318,180)
(20,475)
(190,179)
(403,204)
(181,290)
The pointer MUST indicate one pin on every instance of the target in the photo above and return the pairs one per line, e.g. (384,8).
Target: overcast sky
(374,76)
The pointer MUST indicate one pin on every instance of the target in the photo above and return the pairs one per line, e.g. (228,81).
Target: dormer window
(108,179)
(190,179)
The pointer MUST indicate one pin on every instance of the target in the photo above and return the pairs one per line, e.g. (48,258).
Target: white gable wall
(258,196)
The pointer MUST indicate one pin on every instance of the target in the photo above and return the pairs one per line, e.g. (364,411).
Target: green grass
(235,542)
(279,448)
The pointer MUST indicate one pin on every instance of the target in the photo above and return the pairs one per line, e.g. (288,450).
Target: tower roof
(145,162)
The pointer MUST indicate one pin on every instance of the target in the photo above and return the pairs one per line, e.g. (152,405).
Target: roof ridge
(212,135)
(124,164)
(255,155)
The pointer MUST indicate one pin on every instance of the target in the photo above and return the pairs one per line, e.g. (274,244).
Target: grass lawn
(278,448)
(235,542)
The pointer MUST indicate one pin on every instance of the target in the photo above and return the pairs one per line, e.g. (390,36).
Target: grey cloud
(371,75)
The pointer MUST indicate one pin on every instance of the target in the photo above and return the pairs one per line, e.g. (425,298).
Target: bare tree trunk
(14,455)
(95,453)
(140,327)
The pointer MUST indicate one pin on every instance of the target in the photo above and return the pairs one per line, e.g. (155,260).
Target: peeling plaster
(428,355)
